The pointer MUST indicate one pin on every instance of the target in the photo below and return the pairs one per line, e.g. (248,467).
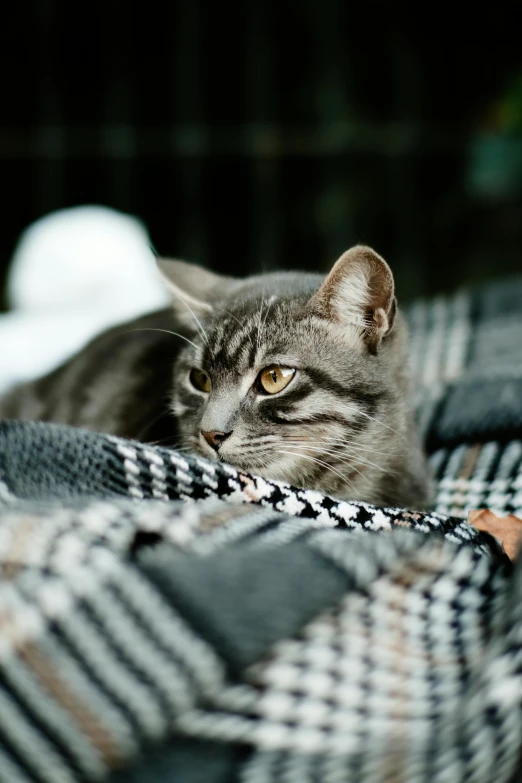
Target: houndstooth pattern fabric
(76,462)
(166,618)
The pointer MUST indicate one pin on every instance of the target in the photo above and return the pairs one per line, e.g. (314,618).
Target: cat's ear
(196,287)
(359,291)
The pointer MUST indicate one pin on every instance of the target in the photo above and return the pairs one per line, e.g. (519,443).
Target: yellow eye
(200,380)
(274,379)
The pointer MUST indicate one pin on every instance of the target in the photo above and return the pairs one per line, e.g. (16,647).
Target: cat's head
(289,375)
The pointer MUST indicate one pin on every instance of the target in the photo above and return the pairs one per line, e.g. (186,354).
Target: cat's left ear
(197,287)
(359,291)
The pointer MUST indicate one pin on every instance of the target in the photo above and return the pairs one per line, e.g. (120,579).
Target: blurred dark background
(264,134)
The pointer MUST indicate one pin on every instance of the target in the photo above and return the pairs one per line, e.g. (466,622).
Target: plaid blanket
(249,631)
(467,370)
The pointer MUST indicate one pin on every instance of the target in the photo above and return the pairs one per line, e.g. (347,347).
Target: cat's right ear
(359,291)
(194,287)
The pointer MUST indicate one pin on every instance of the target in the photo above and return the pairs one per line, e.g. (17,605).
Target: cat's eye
(200,380)
(274,379)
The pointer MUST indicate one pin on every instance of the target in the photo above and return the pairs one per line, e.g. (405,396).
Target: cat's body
(286,375)
(120,383)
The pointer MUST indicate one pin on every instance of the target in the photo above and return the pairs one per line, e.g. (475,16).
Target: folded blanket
(164,618)
(216,641)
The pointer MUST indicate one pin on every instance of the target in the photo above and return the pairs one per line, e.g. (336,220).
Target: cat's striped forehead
(239,338)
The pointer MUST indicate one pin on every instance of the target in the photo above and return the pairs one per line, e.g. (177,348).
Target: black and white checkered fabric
(163,618)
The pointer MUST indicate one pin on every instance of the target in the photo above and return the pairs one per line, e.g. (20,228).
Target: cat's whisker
(366,415)
(346,458)
(344,477)
(333,443)
(167,331)
(317,461)
(223,310)
(368,450)
(162,440)
(258,341)
(330,439)
(372,418)
(269,302)
(338,442)
(350,458)
(196,319)
(241,324)
(360,459)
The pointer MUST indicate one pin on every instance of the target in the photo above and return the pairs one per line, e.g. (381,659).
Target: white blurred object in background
(74,273)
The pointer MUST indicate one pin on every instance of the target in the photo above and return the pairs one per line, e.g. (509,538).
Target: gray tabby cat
(287,375)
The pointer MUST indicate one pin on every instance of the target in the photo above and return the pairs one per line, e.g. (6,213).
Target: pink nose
(215,438)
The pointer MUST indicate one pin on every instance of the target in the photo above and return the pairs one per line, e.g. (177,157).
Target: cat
(293,376)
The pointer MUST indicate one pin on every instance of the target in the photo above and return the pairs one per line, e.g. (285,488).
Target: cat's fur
(343,425)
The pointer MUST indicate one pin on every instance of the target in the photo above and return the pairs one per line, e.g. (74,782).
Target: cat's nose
(215,438)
